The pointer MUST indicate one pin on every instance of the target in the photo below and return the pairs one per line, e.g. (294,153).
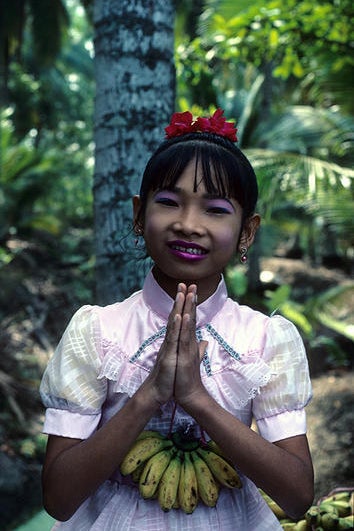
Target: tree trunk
(135,75)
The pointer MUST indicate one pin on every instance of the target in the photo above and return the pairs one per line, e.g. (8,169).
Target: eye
(166,199)
(219,207)
(218,210)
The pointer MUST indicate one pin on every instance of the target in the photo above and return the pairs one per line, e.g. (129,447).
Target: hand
(188,384)
(161,380)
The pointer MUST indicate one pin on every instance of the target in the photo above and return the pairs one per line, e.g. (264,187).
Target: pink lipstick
(187,250)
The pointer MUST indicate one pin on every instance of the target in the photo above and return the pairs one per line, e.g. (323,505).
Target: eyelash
(218,210)
(166,201)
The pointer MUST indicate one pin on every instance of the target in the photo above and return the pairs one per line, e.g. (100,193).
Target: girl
(181,352)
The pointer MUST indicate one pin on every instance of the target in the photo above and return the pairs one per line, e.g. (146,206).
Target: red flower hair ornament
(182,123)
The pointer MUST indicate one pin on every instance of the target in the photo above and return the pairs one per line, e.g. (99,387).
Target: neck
(205,287)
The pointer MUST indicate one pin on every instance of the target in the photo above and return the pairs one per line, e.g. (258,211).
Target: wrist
(196,401)
(147,397)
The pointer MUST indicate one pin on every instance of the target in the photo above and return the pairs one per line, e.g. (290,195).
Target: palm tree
(134,68)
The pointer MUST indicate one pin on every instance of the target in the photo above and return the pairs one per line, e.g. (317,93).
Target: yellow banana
(168,486)
(213,447)
(188,486)
(301,525)
(152,472)
(141,451)
(221,469)
(150,433)
(207,487)
(137,473)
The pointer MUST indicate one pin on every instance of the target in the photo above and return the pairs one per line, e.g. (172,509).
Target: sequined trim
(147,342)
(222,342)
(205,359)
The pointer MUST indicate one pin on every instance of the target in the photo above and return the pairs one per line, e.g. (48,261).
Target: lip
(187,250)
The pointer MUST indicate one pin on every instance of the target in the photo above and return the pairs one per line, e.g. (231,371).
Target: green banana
(142,450)
(188,486)
(221,469)
(327,507)
(329,521)
(168,486)
(184,442)
(207,487)
(346,522)
(152,472)
(337,496)
(342,507)
(313,515)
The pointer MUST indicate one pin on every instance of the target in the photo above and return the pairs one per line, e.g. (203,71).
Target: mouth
(187,250)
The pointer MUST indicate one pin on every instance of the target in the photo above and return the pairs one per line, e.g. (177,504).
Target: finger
(178,305)
(190,302)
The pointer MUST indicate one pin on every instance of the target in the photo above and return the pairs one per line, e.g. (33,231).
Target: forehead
(198,176)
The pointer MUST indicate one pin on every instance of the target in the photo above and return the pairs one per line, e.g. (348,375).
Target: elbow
(56,512)
(297,508)
(56,508)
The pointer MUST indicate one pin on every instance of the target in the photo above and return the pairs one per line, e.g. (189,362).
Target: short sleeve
(70,388)
(279,407)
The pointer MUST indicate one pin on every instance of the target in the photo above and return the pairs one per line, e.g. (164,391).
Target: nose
(189,222)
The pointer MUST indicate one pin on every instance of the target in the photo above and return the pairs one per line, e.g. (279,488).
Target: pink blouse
(255,367)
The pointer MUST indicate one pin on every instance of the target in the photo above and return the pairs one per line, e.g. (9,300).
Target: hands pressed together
(176,373)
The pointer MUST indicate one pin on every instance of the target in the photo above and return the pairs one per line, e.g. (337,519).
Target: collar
(161,303)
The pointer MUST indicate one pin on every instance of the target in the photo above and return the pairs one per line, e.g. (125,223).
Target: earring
(138,230)
(243,255)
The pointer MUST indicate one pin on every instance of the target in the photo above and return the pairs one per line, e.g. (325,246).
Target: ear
(137,222)
(249,230)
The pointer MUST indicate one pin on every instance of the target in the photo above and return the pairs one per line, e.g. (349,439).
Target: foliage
(46,138)
(296,37)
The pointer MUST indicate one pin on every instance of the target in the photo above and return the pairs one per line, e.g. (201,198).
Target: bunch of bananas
(334,512)
(178,471)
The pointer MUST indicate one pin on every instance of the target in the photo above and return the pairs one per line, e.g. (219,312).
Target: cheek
(228,237)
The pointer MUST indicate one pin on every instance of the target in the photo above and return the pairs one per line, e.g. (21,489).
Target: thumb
(202,345)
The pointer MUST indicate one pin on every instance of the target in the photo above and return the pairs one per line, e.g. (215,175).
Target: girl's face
(190,235)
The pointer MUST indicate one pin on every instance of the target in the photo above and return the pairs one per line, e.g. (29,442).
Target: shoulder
(252,329)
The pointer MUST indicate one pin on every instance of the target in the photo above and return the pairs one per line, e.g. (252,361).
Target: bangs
(218,169)
(219,164)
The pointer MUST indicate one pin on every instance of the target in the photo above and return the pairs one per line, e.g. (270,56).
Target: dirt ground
(330,421)
(37,299)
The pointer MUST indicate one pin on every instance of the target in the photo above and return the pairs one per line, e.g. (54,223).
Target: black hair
(226,171)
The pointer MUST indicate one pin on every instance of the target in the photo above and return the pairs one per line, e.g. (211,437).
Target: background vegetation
(282,69)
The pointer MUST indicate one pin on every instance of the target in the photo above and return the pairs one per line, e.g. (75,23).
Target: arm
(282,469)
(74,468)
